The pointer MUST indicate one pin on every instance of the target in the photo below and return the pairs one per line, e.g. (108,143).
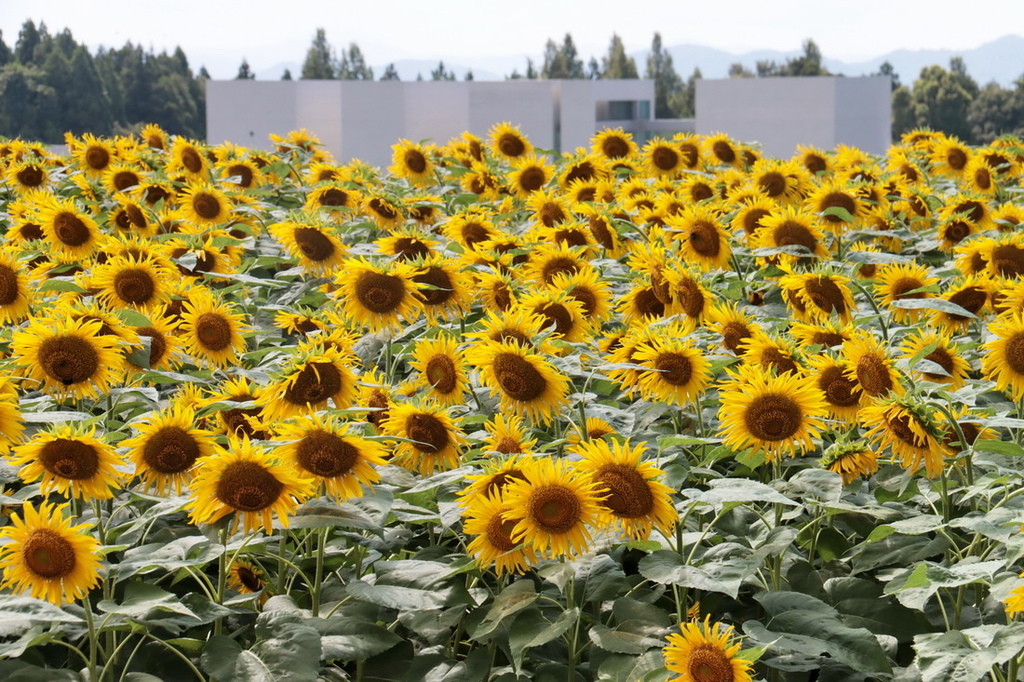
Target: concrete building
(781,113)
(363,119)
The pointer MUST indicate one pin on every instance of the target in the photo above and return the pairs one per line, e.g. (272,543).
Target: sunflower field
(662,412)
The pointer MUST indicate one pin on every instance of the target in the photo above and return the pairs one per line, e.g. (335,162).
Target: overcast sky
(219,33)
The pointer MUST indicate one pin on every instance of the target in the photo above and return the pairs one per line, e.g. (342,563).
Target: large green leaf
(724,491)
(142,601)
(630,637)
(219,656)
(398,597)
(968,655)
(914,586)
(510,601)
(532,629)
(723,575)
(18,614)
(291,655)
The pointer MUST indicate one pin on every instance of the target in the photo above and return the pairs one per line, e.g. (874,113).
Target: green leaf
(219,656)
(54,416)
(914,586)
(330,516)
(532,629)
(60,285)
(291,655)
(508,603)
(142,600)
(397,597)
(18,671)
(18,614)
(624,641)
(133,317)
(725,575)
(839,212)
(938,304)
(740,490)
(999,447)
(191,550)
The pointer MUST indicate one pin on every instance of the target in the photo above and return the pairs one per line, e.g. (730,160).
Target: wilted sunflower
(1003,359)
(45,555)
(777,414)
(702,240)
(307,381)
(168,445)
(871,366)
(631,495)
(674,370)
(245,577)
(377,296)
(441,366)
(321,447)
(211,330)
(318,249)
(842,394)
(246,481)
(432,440)
(527,383)
(492,521)
(507,435)
(706,653)
(67,357)
(908,431)
(903,281)
(818,295)
(70,460)
(553,508)
(71,233)
(508,142)
(850,459)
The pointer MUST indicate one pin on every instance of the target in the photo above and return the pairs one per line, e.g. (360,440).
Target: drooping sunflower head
(1003,359)
(507,435)
(247,577)
(850,459)
(909,430)
(47,556)
(871,366)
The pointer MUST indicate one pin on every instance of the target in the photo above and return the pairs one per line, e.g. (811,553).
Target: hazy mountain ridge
(1001,60)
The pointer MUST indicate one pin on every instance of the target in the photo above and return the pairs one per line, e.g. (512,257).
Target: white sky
(265,32)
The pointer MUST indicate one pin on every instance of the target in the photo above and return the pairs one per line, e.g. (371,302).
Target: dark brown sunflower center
(499,534)
(828,339)
(134,286)
(873,375)
(68,359)
(518,378)
(502,479)
(941,357)
(439,285)
(1013,354)
(983,178)
(792,233)
(213,332)
(408,248)
(614,147)
(70,229)
(674,368)
(122,180)
(130,217)
(155,194)
(733,336)
(752,219)
(555,508)
(665,158)
(98,158)
(206,205)
(814,163)
(30,231)
(839,390)
(30,176)
(558,265)
(772,183)
(511,145)
(69,458)
(191,160)
(689,153)
(441,374)
(8,285)
(586,297)
(724,151)
(956,158)
(837,200)
(317,382)
(428,431)
(972,299)
(772,417)
(781,362)
(899,424)
(559,316)
(700,191)
(415,161)
(647,304)
(379,401)
(826,294)
(325,454)
(583,170)
(629,495)
(333,197)
(709,664)
(690,298)
(956,230)
(551,213)
(602,233)
(380,293)
(705,239)
(532,178)
(1008,260)
(248,578)
(47,554)
(248,487)
(171,450)
(314,244)
(901,286)
(508,445)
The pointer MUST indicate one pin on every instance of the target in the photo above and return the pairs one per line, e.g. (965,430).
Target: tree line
(49,84)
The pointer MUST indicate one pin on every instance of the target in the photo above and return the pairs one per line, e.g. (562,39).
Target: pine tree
(390,73)
(618,64)
(6,56)
(441,73)
(319,62)
(287,75)
(244,72)
(668,86)
(593,70)
(28,40)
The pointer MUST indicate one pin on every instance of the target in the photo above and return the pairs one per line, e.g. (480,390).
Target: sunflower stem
(944,491)
(222,577)
(874,306)
(321,547)
(93,635)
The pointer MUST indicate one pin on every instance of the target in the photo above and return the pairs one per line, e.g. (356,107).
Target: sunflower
(979,178)
(318,249)
(703,241)
(814,160)
(686,293)
(902,281)
(16,287)
(750,212)
(203,205)
(376,394)
(377,296)
(507,435)
(641,304)
(688,146)
(632,497)
(733,325)
(482,181)
(244,480)
(11,424)
(442,287)
(908,431)
(587,287)
(130,218)
(492,521)
(553,508)
(674,370)
(613,144)
(246,577)
(817,296)
(441,365)
(412,162)
(27,175)
(779,414)
(549,208)
(528,384)
(470,228)
(827,333)
(243,173)
(720,150)
(45,555)
(783,181)
(211,330)
(71,233)
(242,420)
(790,227)
(93,155)
(949,156)
(548,260)
(71,461)
(706,653)
(1014,603)
(508,142)
(1004,255)
(973,294)
(129,282)
(407,245)
(168,445)
(67,357)
(494,478)
(839,207)
(307,381)
(187,157)
(871,366)
(529,173)
(320,447)
(495,289)
(850,459)
(1003,359)
(843,396)
(661,157)
(334,199)
(773,353)
(385,213)
(431,440)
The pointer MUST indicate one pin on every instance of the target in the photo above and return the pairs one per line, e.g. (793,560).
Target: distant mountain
(1001,60)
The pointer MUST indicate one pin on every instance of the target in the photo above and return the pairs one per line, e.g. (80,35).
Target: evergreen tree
(25,104)
(531,70)
(390,73)
(737,70)
(808,64)
(287,75)
(357,64)
(996,111)
(886,69)
(469,75)
(562,62)
(441,73)
(667,83)
(203,73)
(618,64)
(89,106)
(514,76)
(593,70)
(6,56)
(28,40)
(941,99)
(244,72)
(319,62)
(903,119)
(571,59)
(689,106)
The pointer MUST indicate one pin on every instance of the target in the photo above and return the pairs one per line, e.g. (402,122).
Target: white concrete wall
(781,113)
(526,103)
(246,112)
(372,119)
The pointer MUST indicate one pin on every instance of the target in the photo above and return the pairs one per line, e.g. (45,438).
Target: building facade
(363,119)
